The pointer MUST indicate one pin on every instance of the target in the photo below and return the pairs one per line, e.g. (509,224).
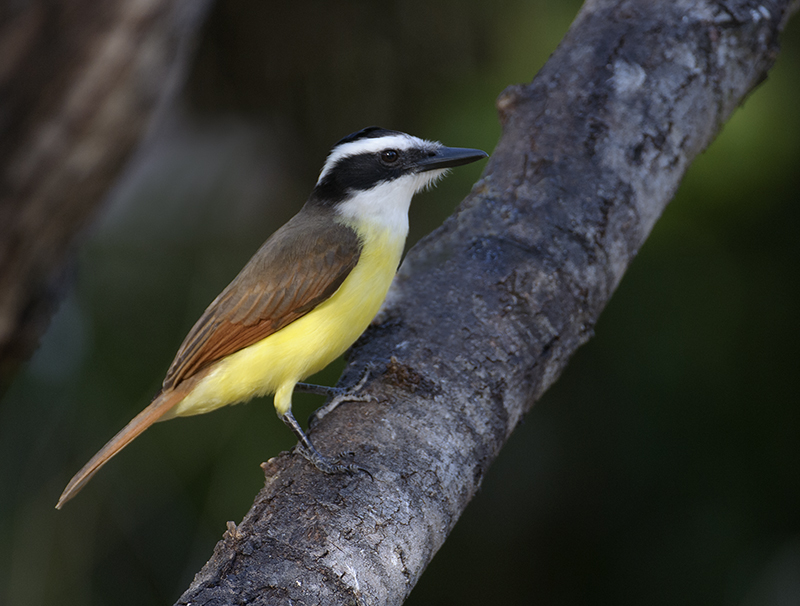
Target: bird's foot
(330,466)
(310,453)
(341,395)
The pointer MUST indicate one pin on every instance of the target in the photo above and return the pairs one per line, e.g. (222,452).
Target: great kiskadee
(307,294)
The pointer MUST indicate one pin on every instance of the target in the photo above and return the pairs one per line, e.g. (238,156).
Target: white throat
(386,205)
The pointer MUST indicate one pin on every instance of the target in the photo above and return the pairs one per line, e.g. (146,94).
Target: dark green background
(662,468)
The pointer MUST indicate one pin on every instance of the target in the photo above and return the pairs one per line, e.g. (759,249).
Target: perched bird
(307,294)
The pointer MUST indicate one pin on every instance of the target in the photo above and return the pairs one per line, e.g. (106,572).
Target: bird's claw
(331,466)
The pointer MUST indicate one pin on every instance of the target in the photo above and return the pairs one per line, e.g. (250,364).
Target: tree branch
(487,310)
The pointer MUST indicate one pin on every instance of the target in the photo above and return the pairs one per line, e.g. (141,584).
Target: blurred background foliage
(662,468)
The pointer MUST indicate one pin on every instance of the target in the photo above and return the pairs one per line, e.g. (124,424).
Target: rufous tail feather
(157,408)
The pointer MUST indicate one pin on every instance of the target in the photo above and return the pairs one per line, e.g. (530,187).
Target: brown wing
(298,267)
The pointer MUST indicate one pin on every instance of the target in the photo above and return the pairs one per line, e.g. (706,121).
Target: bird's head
(373,173)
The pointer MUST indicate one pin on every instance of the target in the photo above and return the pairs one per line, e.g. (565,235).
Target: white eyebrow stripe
(400,141)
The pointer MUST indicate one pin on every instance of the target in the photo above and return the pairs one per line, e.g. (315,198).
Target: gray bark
(79,84)
(487,310)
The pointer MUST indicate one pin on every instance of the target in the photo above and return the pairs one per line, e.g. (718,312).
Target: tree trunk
(487,310)
(79,83)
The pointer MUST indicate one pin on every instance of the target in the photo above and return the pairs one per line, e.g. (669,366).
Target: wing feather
(297,268)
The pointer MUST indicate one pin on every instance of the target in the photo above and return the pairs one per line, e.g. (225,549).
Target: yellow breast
(309,343)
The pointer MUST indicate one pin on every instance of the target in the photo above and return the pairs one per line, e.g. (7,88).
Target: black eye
(390,156)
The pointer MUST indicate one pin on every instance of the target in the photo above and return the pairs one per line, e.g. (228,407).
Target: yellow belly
(275,364)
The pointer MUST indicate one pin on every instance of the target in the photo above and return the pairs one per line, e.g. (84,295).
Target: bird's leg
(339,395)
(319,390)
(307,449)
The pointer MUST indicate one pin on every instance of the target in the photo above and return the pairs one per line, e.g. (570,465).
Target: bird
(306,295)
